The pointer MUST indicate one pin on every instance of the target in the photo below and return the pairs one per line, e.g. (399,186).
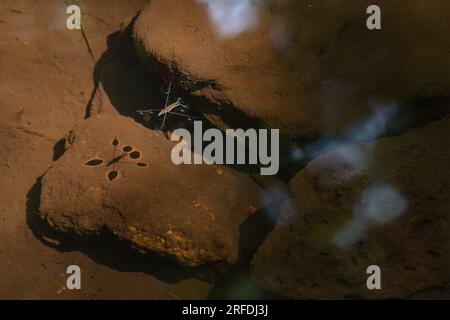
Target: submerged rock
(382,203)
(117,178)
(306,68)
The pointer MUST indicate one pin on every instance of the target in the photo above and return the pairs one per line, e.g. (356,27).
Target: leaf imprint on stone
(135,155)
(127,148)
(112,175)
(94,162)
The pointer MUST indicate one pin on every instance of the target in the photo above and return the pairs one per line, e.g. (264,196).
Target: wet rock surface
(116,177)
(383,203)
(307,68)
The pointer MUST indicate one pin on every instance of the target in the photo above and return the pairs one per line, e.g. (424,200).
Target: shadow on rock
(126,82)
(237,284)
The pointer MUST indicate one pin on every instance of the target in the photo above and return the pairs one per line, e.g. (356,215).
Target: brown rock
(383,203)
(306,68)
(116,177)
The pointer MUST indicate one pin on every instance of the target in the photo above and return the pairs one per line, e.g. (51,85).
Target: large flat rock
(116,178)
(383,203)
(307,68)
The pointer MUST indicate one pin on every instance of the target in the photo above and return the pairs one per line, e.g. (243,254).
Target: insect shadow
(119,156)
